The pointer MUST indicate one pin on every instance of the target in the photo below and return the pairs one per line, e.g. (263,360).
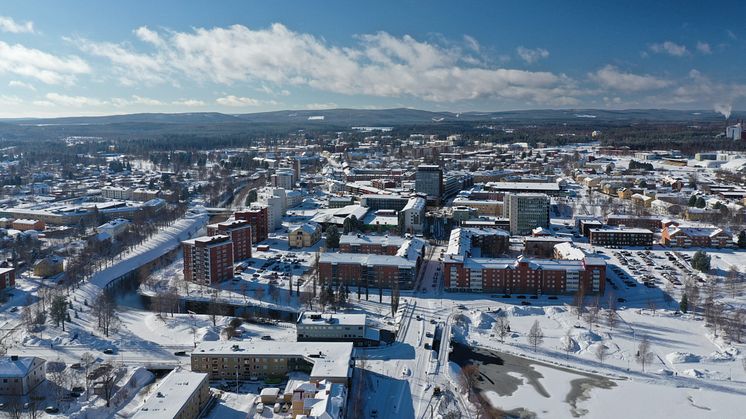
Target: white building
(181,395)
(20,375)
(114,227)
(412,216)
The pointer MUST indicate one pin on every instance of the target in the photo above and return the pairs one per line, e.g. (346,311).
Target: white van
(277,408)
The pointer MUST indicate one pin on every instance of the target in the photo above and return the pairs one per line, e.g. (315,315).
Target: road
(406,369)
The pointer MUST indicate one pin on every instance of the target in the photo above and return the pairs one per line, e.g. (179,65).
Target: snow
(682,357)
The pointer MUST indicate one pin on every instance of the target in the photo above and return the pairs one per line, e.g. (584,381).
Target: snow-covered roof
(330,359)
(16,367)
(172,394)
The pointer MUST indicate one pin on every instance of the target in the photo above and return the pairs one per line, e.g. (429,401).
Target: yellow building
(305,235)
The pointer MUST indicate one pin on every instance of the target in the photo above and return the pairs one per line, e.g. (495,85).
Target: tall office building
(429,181)
(526,211)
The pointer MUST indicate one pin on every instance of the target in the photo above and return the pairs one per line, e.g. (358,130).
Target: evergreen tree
(692,201)
(684,304)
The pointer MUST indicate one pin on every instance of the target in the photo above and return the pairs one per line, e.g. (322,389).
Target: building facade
(257,216)
(7,278)
(429,180)
(181,394)
(621,237)
(524,276)
(526,212)
(208,260)
(305,235)
(19,375)
(240,234)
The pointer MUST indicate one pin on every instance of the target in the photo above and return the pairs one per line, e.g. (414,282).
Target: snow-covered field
(699,375)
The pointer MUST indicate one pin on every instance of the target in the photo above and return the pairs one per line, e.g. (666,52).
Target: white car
(260,408)
(405,372)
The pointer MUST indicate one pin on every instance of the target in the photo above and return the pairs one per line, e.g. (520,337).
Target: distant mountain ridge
(381,117)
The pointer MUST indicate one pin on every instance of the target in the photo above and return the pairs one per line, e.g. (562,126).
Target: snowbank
(480,320)
(682,358)
(520,311)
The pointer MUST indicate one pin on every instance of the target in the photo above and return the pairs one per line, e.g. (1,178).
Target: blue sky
(93,57)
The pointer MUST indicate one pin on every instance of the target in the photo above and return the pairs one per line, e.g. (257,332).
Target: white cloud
(7,24)
(231,100)
(320,106)
(472,43)
(379,65)
(136,100)
(33,63)
(71,101)
(10,100)
(670,48)
(611,77)
(704,47)
(188,102)
(531,56)
(21,85)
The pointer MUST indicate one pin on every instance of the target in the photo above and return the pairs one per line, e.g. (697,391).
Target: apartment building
(208,260)
(19,375)
(258,218)
(650,222)
(240,232)
(429,180)
(327,327)
(374,270)
(24,224)
(245,360)
(181,394)
(621,237)
(377,245)
(7,278)
(684,236)
(305,235)
(478,242)
(523,275)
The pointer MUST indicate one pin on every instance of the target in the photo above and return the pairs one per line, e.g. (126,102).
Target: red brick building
(208,259)
(240,234)
(679,236)
(258,218)
(7,278)
(524,276)
(374,245)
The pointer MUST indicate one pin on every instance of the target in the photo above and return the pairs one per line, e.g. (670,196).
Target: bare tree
(601,352)
(735,324)
(535,335)
(568,344)
(214,309)
(651,305)
(591,315)
(644,353)
(611,314)
(104,309)
(469,379)
(733,281)
(106,376)
(502,326)
(86,362)
(579,301)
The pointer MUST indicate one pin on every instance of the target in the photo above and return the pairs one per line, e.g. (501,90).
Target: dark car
(180,353)
(621,300)
(51,409)
(552,297)
(525,303)
(521,297)
(109,351)
(266,337)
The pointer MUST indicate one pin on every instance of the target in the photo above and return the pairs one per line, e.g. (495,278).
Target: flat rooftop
(171,395)
(329,359)
(336,319)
